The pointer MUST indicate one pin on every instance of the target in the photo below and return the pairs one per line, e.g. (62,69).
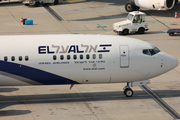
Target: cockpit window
(151,51)
(146,52)
(156,50)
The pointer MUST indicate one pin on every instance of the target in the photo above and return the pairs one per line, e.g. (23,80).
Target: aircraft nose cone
(171,62)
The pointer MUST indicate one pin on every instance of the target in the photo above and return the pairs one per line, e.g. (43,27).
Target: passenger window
(20,58)
(75,57)
(5,58)
(62,57)
(94,56)
(54,57)
(68,57)
(81,56)
(146,52)
(26,58)
(100,56)
(87,56)
(12,58)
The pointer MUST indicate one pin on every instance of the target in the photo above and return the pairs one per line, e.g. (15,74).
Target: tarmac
(97,101)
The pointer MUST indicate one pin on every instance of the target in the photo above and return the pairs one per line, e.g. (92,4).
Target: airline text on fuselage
(54,49)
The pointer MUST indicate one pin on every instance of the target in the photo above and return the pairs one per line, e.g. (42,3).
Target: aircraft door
(124,56)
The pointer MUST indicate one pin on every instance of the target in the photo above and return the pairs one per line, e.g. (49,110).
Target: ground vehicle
(36,3)
(135,23)
(172,31)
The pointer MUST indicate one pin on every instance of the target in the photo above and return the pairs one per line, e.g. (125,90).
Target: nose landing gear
(128,92)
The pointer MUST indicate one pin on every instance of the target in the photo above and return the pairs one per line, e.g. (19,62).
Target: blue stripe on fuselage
(34,74)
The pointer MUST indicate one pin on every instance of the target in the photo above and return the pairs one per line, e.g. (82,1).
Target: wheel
(141,30)
(125,32)
(55,2)
(128,7)
(171,34)
(128,92)
(37,4)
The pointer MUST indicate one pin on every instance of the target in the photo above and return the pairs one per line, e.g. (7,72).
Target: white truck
(37,3)
(135,22)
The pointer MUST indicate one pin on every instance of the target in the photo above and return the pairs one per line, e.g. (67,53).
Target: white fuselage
(87,59)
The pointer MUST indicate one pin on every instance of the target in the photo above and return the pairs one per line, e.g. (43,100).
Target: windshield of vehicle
(151,51)
(130,17)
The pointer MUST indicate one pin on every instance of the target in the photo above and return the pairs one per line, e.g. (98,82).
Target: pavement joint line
(161,102)
(52,12)
(158,21)
(16,20)
(87,104)
(24,103)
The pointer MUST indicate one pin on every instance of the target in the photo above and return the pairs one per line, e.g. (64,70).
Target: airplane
(80,59)
(134,5)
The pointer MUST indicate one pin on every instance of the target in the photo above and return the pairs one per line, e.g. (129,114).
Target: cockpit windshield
(151,51)
(130,17)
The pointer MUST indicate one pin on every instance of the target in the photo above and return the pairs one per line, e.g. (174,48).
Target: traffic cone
(175,15)
(21,20)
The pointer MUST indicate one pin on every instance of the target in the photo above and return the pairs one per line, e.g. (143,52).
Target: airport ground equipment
(37,3)
(173,31)
(135,22)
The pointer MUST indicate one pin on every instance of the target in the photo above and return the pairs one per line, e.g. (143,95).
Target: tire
(128,92)
(141,30)
(125,32)
(37,4)
(171,34)
(128,7)
(56,2)
(26,4)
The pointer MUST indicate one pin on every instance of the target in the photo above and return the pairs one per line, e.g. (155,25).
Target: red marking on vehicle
(146,26)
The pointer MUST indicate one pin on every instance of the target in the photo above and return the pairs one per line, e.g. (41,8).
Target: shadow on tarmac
(8,89)
(6,101)
(13,112)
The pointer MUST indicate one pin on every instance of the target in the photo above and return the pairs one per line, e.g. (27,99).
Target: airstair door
(124,56)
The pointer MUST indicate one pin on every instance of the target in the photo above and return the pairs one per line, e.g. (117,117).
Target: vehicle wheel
(26,4)
(37,4)
(125,32)
(128,7)
(55,2)
(128,92)
(171,34)
(141,30)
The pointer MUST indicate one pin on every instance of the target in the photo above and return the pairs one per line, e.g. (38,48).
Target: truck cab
(135,22)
